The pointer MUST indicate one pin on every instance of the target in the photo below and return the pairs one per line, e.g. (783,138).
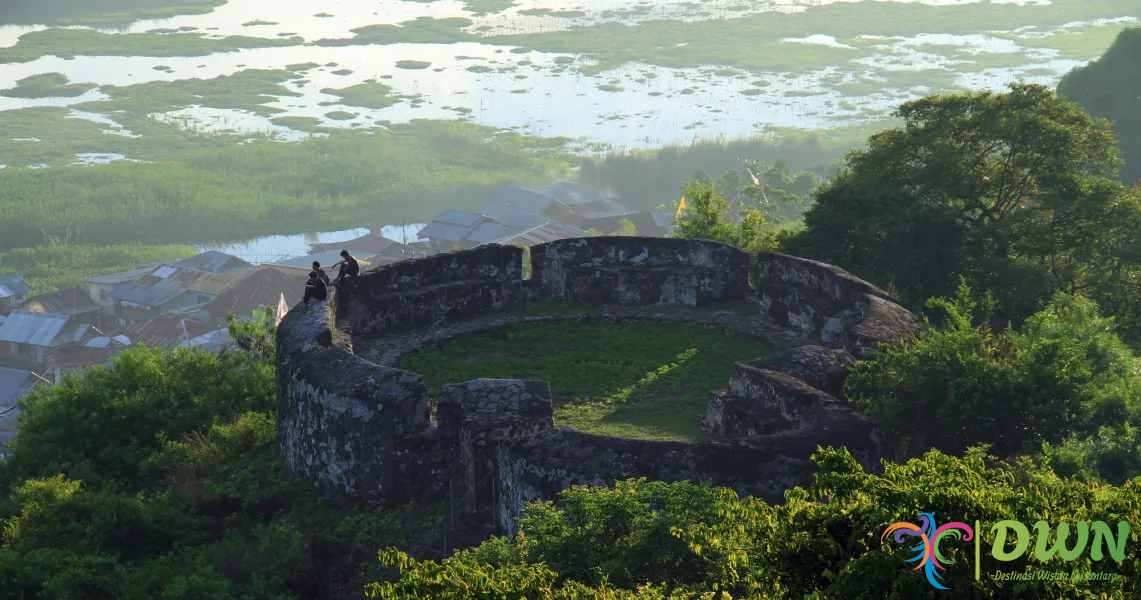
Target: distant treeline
(644,179)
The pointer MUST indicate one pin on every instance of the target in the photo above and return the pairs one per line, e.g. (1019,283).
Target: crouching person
(315,289)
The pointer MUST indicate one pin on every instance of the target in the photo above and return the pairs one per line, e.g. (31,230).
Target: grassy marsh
(638,380)
(47,85)
(250,90)
(264,188)
(60,265)
(370,94)
(69,43)
(111,13)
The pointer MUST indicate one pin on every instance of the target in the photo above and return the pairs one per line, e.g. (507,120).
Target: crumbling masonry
(362,428)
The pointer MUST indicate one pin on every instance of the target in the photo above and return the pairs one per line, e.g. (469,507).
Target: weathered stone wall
(425,291)
(639,270)
(542,466)
(355,428)
(829,302)
(343,423)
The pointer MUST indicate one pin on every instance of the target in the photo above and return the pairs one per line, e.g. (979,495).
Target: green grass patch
(414,65)
(297,68)
(340,115)
(245,90)
(47,85)
(639,380)
(110,13)
(49,268)
(370,94)
(306,124)
(69,43)
(487,7)
(343,72)
(424,30)
(609,87)
(550,12)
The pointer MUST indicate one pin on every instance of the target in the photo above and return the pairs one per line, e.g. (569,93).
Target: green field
(638,380)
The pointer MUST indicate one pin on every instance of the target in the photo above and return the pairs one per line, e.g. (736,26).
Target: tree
(1063,373)
(1012,190)
(1110,87)
(706,215)
(257,336)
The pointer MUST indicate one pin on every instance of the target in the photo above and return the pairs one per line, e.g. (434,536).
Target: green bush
(695,541)
(1063,372)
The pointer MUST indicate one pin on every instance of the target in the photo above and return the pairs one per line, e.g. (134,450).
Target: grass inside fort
(638,380)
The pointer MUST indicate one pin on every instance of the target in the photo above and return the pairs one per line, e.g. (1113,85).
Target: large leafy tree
(1110,87)
(1014,191)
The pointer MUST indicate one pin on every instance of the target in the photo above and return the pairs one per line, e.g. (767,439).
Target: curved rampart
(352,427)
(639,270)
(829,302)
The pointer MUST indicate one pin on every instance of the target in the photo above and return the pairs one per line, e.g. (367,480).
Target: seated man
(320,272)
(349,268)
(315,289)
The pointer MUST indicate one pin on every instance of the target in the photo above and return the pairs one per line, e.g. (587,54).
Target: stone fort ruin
(352,423)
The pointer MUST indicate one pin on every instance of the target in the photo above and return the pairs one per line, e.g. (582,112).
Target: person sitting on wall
(315,289)
(349,268)
(320,272)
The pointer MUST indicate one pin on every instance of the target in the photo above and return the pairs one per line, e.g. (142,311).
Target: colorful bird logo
(929,556)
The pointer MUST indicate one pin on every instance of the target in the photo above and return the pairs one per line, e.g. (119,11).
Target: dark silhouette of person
(349,268)
(320,272)
(315,289)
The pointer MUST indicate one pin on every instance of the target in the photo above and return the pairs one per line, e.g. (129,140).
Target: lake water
(277,247)
(525,91)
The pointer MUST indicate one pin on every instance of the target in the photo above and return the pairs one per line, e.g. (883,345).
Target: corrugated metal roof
(13,285)
(325,258)
(216,284)
(444,231)
(518,220)
(71,301)
(369,242)
(485,232)
(514,199)
(82,356)
(548,232)
(157,287)
(571,193)
(37,329)
(459,217)
(264,288)
(14,383)
(602,210)
(120,277)
(212,262)
(163,331)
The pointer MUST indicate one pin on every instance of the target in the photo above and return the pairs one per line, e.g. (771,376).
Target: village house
(456,230)
(208,262)
(75,359)
(167,289)
(379,248)
(26,337)
(302,265)
(264,288)
(13,291)
(74,302)
(14,385)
